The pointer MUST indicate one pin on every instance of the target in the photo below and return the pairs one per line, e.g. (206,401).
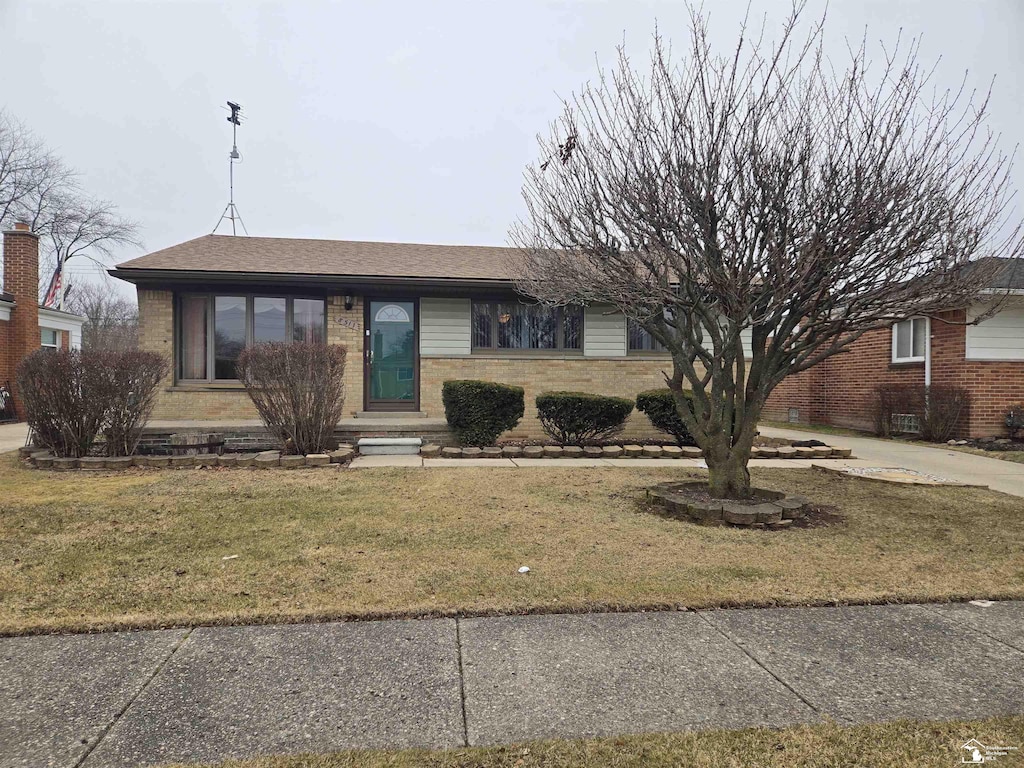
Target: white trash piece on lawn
(229,557)
(524,569)
(982,603)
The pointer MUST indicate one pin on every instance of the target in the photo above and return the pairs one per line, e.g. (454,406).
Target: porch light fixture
(504,317)
(348,301)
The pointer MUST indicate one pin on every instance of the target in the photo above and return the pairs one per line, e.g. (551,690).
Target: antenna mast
(230,210)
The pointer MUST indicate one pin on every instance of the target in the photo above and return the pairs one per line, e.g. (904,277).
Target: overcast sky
(397,121)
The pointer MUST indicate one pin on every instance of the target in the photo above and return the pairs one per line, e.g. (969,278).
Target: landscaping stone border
(274,459)
(432,451)
(773,509)
(262,460)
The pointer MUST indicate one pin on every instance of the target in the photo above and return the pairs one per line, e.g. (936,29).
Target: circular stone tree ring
(690,501)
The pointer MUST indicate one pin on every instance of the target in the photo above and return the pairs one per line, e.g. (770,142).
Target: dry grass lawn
(894,745)
(147,548)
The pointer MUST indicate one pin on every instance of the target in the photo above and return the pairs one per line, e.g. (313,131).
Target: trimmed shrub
(298,390)
(571,418)
(660,407)
(70,396)
(1015,419)
(479,411)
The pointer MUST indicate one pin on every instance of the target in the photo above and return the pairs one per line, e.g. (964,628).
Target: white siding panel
(746,336)
(1000,337)
(604,332)
(445,327)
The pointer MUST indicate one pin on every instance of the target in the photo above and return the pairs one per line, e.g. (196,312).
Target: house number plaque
(355,325)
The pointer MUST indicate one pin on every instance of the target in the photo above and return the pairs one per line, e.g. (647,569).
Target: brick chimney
(21,280)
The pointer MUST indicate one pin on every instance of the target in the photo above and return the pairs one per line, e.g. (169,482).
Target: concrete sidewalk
(999,475)
(146,698)
(12,436)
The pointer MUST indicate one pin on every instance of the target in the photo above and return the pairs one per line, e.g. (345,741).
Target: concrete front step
(390,446)
(391,414)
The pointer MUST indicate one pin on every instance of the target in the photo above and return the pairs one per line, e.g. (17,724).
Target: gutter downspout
(927,352)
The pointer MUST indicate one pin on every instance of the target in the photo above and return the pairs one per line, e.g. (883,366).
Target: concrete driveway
(1005,476)
(12,436)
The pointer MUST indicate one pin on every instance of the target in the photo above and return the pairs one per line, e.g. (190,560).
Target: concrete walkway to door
(999,475)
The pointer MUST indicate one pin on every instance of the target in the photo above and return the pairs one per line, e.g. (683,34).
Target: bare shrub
(133,377)
(893,401)
(934,412)
(945,408)
(298,390)
(65,399)
(71,396)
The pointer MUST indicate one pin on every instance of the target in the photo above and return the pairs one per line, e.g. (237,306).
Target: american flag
(53,295)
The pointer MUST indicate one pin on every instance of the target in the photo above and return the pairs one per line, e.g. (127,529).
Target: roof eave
(135,275)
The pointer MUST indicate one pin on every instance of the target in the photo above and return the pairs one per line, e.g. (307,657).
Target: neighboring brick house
(987,359)
(412,316)
(24,325)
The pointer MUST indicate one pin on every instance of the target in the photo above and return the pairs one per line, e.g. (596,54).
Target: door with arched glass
(391,356)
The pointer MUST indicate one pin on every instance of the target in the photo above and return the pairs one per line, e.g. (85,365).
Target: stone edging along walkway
(275,459)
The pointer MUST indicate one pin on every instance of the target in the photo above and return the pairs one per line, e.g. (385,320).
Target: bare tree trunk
(728,476)
(727,453)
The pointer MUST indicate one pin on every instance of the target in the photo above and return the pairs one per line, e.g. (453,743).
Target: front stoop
(389,446)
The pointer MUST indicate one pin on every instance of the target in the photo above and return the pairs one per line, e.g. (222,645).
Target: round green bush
(660,407)
(479,411)
(570,418)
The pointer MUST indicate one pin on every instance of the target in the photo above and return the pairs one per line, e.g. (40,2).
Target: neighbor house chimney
(21,280)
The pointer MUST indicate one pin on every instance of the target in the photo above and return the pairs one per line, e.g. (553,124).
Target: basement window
(905,423)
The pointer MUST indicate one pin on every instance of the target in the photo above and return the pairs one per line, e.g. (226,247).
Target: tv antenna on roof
(230,210)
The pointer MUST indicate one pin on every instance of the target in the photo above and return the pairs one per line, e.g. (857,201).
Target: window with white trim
(910,340)
(49,338)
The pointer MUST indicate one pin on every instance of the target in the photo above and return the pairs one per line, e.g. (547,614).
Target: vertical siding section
(604,332)
(445,327)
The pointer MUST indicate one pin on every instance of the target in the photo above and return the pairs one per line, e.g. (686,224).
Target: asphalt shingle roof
(278,255)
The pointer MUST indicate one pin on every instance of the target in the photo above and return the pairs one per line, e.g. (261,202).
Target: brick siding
(21,279)
(840,391)
(612,376)
(623,377)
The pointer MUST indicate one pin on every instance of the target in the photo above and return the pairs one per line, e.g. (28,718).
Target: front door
(391,356)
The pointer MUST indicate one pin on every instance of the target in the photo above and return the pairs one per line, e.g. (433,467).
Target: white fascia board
(60,321)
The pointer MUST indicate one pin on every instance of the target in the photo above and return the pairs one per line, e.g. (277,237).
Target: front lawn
(902,744)
(152,548)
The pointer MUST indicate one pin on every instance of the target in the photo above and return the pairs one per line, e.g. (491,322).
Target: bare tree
(766,199)
(111,321)
(38,188)
(27,169)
